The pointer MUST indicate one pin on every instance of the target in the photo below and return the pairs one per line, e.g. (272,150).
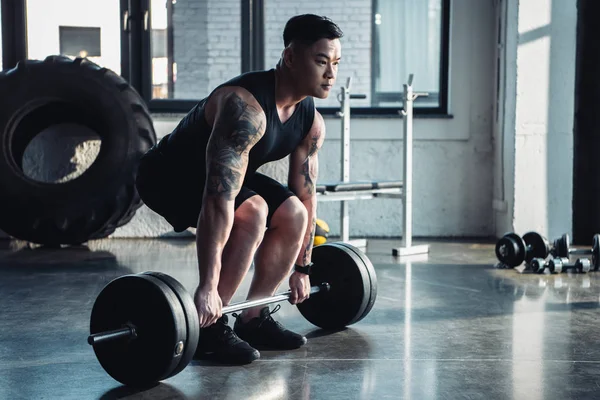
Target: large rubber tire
(38,94)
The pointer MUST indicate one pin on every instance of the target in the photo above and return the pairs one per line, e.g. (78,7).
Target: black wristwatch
(305,269)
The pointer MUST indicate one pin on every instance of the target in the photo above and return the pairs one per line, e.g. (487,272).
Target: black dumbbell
(562,248)
(558,265)
(512,250)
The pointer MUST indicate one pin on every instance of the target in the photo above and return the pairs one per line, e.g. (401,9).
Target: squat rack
(347,190)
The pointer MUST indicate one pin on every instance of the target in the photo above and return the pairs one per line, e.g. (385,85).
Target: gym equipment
(347,267)
(562,248)
(144,327)
(346,190)
(321,232)
(371,272)
(60,91)
(512,249)
(560,264)
(537,265)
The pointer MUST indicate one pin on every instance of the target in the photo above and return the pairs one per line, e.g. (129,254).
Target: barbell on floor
(130,331)
(144,327)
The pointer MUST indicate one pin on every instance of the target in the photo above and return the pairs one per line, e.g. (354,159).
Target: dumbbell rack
(403,192)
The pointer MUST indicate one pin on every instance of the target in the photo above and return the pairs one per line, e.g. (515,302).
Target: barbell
(144,327)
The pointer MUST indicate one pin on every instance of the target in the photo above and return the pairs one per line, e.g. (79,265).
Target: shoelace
(265,318)
(268,317)
(229,335)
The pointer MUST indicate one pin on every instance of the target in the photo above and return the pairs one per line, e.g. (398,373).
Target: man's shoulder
(250,79)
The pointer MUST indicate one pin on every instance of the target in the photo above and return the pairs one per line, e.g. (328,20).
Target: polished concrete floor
(448,326)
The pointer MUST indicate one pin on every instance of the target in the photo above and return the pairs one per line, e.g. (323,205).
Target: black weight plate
(596,252)
(539,246)
(372,276)
(156,312)
(191,318)
(510,250)
(562,245)
(349,292)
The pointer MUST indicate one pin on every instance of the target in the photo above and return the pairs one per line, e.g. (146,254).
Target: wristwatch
(305,269)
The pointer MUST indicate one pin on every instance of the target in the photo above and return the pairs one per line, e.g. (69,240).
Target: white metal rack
(403,191)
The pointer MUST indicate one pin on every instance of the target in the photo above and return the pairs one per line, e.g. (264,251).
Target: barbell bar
(129,331)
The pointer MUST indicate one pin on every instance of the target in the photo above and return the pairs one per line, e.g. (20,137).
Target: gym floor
(450,326)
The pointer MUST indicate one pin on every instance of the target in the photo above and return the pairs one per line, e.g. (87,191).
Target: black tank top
(187,143)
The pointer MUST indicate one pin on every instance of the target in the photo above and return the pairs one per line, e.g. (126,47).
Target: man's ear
(289,56)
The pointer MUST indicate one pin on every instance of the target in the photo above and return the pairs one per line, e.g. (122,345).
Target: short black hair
(309,28)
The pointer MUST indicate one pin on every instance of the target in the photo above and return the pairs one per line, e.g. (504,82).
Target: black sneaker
(265,332)
(219,343)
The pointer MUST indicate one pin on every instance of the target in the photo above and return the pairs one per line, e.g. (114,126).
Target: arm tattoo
(313,145)
(237,129)
(307,249)
(306,171)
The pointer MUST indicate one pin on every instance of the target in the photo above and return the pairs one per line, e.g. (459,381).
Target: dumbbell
(144,327)
(562,248)
(560,264)
(512,249)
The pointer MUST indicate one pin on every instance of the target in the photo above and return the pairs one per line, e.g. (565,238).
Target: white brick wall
(190,34)
(225,40)
(207,48)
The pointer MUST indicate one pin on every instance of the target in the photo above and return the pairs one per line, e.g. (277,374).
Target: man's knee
(251,215)
(291,214)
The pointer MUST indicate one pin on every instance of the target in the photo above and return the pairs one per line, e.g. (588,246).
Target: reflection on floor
(447,326)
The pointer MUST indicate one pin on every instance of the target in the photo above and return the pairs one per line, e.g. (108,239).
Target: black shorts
(175,189)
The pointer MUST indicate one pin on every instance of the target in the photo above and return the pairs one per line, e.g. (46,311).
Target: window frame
(14,32)
(252,58)
(136,61)
(442,108)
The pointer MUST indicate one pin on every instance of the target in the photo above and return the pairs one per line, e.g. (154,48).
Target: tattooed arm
(238,124)
(302,180)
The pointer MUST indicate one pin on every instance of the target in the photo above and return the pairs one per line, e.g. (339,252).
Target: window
(384,41)
(407,38)
(79,42)
(75,28)
(163,75)
(195,46)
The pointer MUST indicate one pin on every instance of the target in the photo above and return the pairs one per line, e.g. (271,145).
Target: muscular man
(204,175)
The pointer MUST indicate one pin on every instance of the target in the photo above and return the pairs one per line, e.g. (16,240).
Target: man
(204,175)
